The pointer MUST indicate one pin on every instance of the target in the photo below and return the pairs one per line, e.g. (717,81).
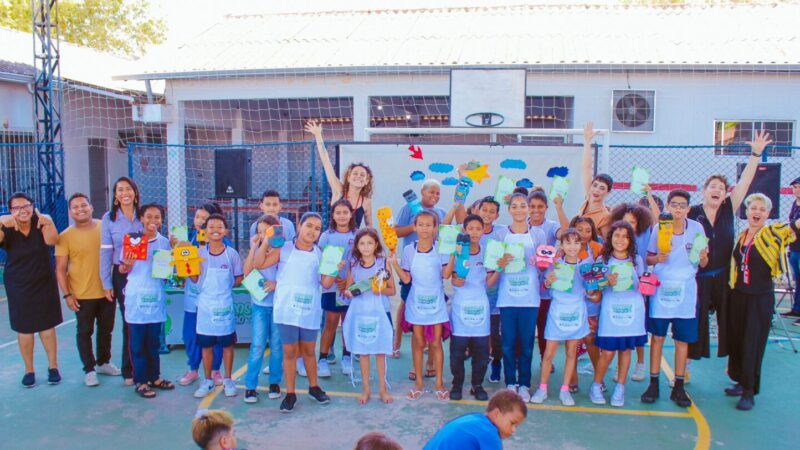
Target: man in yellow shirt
(78,274)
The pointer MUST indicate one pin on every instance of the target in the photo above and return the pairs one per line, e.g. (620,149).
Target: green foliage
(117,26)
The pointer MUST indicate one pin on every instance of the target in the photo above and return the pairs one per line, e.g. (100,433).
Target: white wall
(16,107)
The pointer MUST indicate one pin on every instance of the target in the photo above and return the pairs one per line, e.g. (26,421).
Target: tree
(117,26)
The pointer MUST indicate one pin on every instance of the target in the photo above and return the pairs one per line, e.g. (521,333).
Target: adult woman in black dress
(30,282)
(716,214)
(758,257)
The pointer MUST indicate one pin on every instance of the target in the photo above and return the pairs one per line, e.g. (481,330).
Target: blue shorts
(405,289)
(329,303)
(291,334)
(684,330)
(206,341)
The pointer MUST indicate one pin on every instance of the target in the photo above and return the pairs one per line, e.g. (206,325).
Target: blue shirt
(111,235)
(472,431)
(405,218)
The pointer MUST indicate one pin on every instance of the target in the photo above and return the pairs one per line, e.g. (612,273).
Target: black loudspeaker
(768,182)
(232,173)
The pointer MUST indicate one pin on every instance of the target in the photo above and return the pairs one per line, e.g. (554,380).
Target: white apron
(425,304)
(366,326)
(298,299)
(621,314)
(145,296)
(676,297)
(567,317)
(190,292)
(470,309)
(215,315)
(520,289)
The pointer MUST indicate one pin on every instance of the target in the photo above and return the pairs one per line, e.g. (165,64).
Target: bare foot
(386,397)
(363,398)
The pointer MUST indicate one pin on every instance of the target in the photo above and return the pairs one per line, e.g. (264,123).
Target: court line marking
(703,429)
(206,402)
(14,342)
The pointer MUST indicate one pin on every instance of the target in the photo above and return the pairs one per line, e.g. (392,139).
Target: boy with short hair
(271,206)
(213,430)
(505,412)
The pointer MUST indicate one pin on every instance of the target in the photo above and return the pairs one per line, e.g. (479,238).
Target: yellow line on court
(703,430)
(579,409)
(209,399)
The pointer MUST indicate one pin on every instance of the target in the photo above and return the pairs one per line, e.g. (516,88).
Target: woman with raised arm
(596,187)
(716,214)
(355,186)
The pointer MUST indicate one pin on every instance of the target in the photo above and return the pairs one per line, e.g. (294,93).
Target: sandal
(395,354)
(162,384)
(443,395)
(144,390)
(413,394)
(412,375)
(430,373)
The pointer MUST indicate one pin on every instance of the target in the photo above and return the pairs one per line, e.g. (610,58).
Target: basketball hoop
(485,119)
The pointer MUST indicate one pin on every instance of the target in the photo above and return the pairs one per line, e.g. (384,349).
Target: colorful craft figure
(462,257)
(201,236)
(594,276)
(665,233)
(186,260)
(413,202)
(545,254)
(135,244)
(462,190)
(379,279)
(477,172)
(275,236)
(648,284)
(386,225)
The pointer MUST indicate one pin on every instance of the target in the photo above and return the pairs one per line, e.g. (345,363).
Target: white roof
(537,36)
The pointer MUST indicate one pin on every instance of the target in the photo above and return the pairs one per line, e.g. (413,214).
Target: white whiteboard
(392,168)
(500,91)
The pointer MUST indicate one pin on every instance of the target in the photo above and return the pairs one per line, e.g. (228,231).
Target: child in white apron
(622,311)
(340,233)
(220,271)
(264,328)
(367,329)
(567,319)
(423,267)
(518,299)
(469,315)
(146,306)
(675,303)
(297,305)
(489,210)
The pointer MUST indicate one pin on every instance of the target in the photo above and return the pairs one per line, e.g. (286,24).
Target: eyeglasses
(678,205)
(16,209)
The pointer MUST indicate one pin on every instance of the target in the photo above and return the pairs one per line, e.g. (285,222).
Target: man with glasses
(78,272)
(675,302)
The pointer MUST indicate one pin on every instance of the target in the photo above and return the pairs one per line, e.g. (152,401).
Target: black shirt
(760,274)
(720,235)
(794,214)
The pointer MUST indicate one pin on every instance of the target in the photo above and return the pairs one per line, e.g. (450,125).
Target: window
(126,136)
(731,136)
(414,112)
(551,112)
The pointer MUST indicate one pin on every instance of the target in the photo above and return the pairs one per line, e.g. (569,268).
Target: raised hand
(44,219)
(588,132)
(8,221)
(761,141)
(314,128)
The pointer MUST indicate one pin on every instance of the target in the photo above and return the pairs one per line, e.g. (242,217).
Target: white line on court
(14,342)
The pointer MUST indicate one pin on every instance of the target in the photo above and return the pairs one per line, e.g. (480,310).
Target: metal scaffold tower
(48,99)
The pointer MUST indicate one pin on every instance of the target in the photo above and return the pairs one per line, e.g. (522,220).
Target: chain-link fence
(18,171)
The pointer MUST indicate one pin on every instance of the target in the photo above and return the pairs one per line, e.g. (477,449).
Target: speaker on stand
(232,180)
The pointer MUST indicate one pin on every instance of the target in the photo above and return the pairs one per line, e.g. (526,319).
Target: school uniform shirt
(469,432)
(549,228)
(366,328)
(228,259)
(567,317)
(337,239)
(145,296)
(676,297)
(406,218)
(112,233)
(298,298)
(470,311)
(425,304)
(288,228)
(498,233)
(522,289)
(622,313)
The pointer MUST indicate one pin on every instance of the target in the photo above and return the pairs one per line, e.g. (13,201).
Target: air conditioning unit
(150,113)
(633,111)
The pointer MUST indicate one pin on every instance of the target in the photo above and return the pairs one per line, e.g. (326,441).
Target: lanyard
(744,250)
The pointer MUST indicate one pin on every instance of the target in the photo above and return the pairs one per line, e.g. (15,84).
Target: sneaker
(287,405)
(539,396)
(678,395)
(494,377)
(266,370)
(791,313)
(746,403)
(274,391)
(205,388)
(639,372)
(479,393)
(188,378)
(319,395)
(586,369)
(164,350)
(90,379)
(525,393)
(323,370)
(250,396)
(331,358)
(216,375)
(53,377)
(108,369)
(347,365)
(456,393)
(651,394)
(734,391)
(230,387)
(301,368)
(566,398)
(596,395)
(618,397)
(29,380)
(513,388)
